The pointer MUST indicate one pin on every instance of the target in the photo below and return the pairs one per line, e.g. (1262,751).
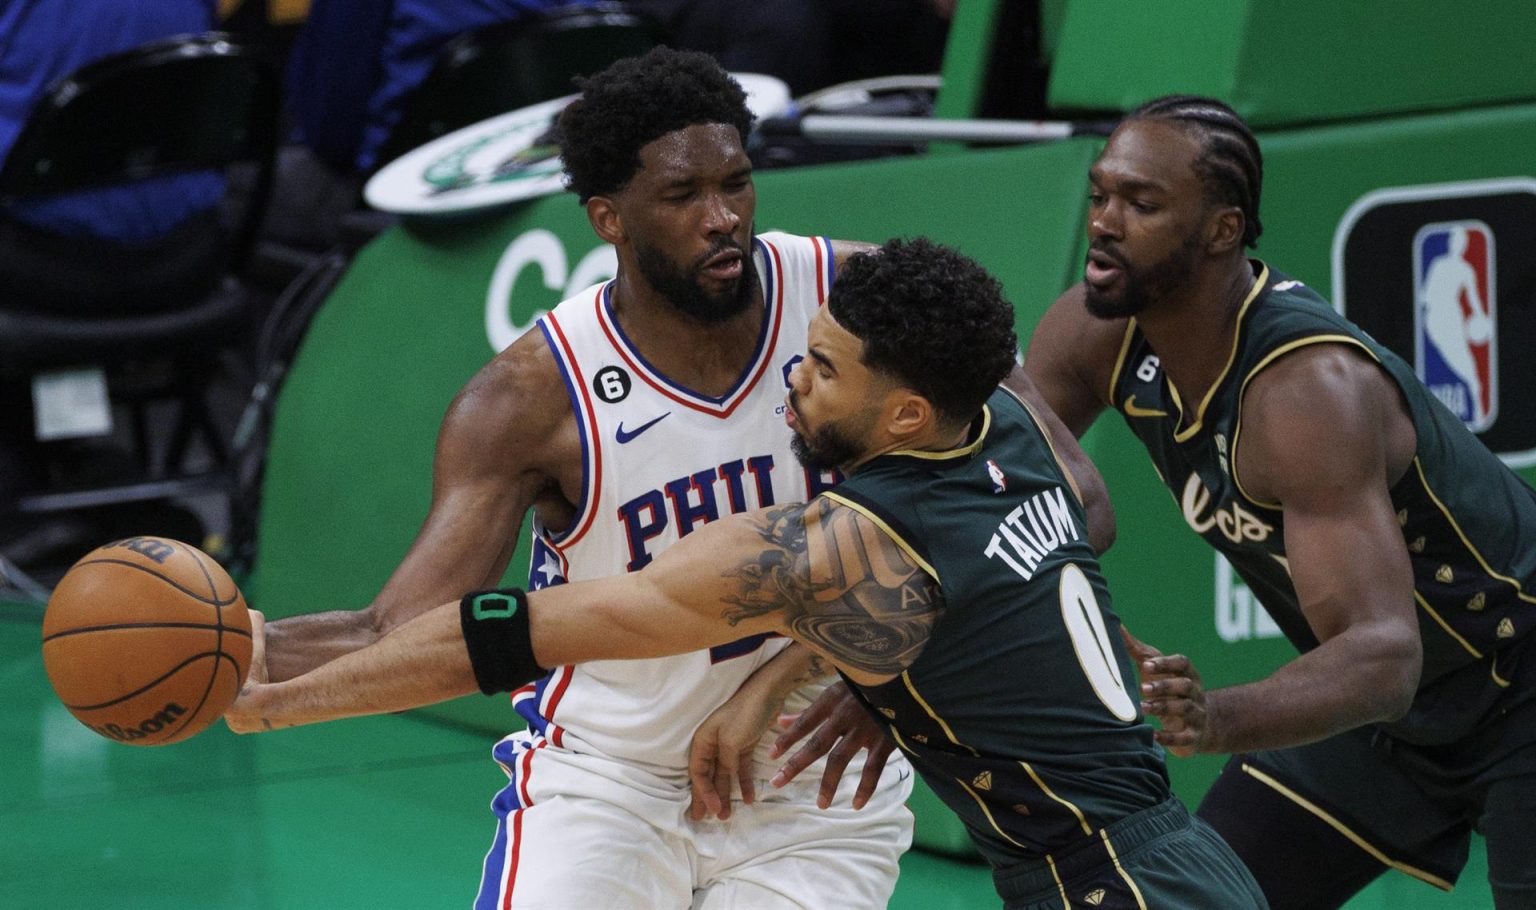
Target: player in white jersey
(658,460)
(640,410)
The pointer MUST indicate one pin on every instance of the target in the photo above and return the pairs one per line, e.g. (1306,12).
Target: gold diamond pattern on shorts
(982,781)
(1444,575)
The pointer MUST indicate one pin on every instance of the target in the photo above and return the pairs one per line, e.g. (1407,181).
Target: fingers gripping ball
(146,641)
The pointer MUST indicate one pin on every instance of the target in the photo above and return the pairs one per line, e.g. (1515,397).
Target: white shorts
(580,832)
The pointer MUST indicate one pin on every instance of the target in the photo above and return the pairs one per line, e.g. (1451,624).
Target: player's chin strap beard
(499,639)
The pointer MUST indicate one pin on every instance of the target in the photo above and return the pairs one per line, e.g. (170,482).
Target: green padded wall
(1297,61)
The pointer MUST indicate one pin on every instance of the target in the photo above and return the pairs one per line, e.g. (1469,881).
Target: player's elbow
(1399,663)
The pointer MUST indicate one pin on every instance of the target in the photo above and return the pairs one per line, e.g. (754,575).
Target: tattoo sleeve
(843,585)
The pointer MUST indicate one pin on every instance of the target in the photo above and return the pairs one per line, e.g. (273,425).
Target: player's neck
(707,357)
(1192,331)
(936,438)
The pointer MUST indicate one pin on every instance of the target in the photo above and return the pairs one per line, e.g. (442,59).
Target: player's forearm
(1361,676)
(791,668)
(299,644)
(420,663)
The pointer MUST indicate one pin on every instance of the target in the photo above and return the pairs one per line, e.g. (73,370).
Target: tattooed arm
(820,572)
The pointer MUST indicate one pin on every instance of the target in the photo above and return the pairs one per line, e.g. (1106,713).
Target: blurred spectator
(787,39)
(48,39)
(356,61)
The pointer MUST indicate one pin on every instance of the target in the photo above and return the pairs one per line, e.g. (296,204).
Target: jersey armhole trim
(1271,357)
(1114,374)
(586,429)
(886,523)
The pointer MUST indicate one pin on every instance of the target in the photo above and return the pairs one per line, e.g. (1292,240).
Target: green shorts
(1156,859)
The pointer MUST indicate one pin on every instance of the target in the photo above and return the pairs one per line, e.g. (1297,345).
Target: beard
(680,285)
(825,448)
(1141,287)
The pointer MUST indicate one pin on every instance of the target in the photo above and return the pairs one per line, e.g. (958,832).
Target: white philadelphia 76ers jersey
(659,461)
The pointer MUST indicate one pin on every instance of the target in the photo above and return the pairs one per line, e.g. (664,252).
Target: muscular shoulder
(1071,357)
(1323,417)
(516,402)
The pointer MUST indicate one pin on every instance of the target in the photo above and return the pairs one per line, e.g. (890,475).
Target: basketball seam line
(147,570)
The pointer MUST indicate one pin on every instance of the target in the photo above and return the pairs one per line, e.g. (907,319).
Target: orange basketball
(146,641)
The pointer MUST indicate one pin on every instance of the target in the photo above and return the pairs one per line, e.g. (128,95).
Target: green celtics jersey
(1021,712)
(1469,523)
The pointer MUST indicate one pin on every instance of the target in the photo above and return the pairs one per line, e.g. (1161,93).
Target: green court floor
(383,812)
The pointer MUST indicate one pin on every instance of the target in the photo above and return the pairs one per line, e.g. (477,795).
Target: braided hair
(1230,164)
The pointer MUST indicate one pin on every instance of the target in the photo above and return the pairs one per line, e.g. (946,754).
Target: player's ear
(604,217)
(1224,229)
(910,414)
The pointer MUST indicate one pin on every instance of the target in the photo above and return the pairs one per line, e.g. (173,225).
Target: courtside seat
(156,324)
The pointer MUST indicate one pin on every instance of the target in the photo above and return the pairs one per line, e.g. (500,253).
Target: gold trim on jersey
(1188,432)
(889,531)
(980,803)
(1340,827)
(1060,888)
(1087,829)
(1476,554)
(970,448)
(1271,357)
(988,813)
(1446,626)
(1140,901)
(906,680)
(1493,671)
(1125,348)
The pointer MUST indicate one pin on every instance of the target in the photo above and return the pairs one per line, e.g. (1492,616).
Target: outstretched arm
(821,572)
(501,433)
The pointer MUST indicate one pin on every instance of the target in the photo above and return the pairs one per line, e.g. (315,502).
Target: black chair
(503,67)
(182,105)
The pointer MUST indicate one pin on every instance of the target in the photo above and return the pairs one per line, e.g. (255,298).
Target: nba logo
(1455,329)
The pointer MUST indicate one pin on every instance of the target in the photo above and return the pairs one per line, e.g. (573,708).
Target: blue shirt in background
(43,40)
(356,60)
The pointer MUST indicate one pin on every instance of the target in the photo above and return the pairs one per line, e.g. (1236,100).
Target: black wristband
(497,634)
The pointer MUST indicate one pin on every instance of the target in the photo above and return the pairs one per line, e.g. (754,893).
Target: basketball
(146,641)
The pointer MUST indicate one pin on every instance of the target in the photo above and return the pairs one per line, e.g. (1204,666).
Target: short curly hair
(930,317)
(636,101)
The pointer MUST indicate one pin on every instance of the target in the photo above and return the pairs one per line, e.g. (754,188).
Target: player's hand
(842,728)
(244,716)
(721,752)
(1172,692)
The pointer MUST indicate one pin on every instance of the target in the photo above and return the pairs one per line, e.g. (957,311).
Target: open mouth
(1101,269)
(789,413)
(724,266)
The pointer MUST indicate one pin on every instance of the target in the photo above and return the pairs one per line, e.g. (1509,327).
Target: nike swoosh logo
(623,435)
(1130,409)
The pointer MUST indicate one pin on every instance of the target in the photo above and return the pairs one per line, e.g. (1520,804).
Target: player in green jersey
(949,579)
(1394,550)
